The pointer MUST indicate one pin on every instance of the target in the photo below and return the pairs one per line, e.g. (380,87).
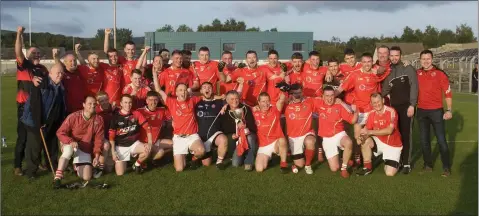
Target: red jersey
(313,81)
(269,128)
(93,78)
(346,69)
(432,84)
(155,120)
(387,66)
(183,114)
(295,77)
(25,72)
(226,87)
(380,120)
(113,81)
(74,91)
(207,72)
(170,77)
(273,92)
(125,128)
(128,66)
(139,98)
(254,84)
(331,118)
(363,85)
(298,117)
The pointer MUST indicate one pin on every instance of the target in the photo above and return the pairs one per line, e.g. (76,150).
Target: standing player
(186,54)
(156,66)
(331,116)
(91,73)
(113,81)
(207,114)
(176,74)
(270,134)
(300,133)
(333,68)
(313,76)
(297,66)
(165,56)
(81,135)
(381,133)
(124,136)
(206,70)
(137,90)
(254,78)
(226,67)
(275,73)
(155,117)
(128,61)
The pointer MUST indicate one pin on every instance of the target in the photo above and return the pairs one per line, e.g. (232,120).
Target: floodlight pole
(30,22)
(114,24)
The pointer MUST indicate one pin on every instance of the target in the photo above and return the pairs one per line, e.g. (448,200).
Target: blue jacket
(40,102)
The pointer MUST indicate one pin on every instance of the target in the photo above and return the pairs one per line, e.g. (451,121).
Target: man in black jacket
(401,86)
(474,79)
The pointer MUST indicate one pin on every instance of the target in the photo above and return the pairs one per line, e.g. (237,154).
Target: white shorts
(388,152)
(362,117)
(210,140)
(81,157)
(268,150)
(124,153)
(182,145)
(296,144)
(331,144)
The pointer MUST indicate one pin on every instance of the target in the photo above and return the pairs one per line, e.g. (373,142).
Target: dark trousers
(474,86)
(35,146)
(426,118)
(405,125)
(19,153)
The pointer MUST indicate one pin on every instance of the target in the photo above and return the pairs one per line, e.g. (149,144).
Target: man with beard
(313,76)
(156,66)
(254,79)
(175,74)
(27,68)
(206,69)
(333,68)
(128,62)
(297,67)
(137,90)
(401,86)
(186,56)
(91,73)
(275,73)
(227,67)
(165,56)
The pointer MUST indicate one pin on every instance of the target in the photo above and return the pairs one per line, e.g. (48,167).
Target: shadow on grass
(467,201)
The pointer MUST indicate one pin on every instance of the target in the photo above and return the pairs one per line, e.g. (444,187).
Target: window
(229,47)
(268,46)
(298,47)
(158,46)
(190,46)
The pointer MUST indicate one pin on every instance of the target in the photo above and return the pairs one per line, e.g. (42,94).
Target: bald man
(27,67)
(45,110)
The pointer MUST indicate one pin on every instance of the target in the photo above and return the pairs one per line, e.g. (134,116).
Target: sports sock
(357,158)
(344,166)
(58,174)
(368,165)
(308,154)
(350,163)
(219,160)
(283,164)
(138,163)
(101,166)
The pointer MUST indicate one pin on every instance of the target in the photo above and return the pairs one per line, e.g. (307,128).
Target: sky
(325,19)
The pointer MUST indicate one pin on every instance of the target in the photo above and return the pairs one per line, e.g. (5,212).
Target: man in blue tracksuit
(45,110)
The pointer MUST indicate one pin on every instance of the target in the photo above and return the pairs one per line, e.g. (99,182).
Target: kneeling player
(382,136)
(124,136)
(331,116)
(155,117)
(270,134)
(80,135)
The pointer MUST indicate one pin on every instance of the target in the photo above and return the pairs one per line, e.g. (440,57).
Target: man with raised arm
(175,74)
(91,73)
(137,90)
(128,61)
(227,67)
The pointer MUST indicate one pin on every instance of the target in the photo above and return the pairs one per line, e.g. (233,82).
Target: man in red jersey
(91,73)
(105,110)
(381,135)
(113,80)
(297,67)
(433,83)
(363,83)
(143,66)
(270,135)
(124,136)
(206,70)
(185,127)
(137,90)
(313,76)
(81,135)
(128,61)
(165,56)
(156,66)
(175,74)
(300,133)
(350,64)
(155,116)
(226,66)
(331,116)
(254,79)
(275,73)
(186,55)
(27,67)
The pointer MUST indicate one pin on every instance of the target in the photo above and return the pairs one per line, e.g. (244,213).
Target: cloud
(43,5)
(259,9)
(73,27)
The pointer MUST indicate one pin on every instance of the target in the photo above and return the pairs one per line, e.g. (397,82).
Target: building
(286,43)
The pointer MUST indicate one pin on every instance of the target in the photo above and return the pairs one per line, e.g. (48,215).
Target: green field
(233,191)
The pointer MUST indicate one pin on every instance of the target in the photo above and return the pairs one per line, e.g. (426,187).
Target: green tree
(166,28)
(430,37)
(184,28)
(253,29)
(446,36)
(464,34)
(408,35)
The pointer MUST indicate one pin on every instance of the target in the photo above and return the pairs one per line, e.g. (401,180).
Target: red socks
(368,165)
(59,174)
(283,164)
(308,154)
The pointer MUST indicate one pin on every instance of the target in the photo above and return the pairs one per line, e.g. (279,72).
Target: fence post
(460,77)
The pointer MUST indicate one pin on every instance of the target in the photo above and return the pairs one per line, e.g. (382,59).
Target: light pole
(30,22)
(114,24)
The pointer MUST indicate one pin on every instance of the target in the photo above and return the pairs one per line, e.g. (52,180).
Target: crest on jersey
(172,83)
(322,115)
(213,106)
(200,114)
(179,113)
(329,110)
(433,73)
(309,79)
(153,118)
(132,120)
(381,122)
(315,73)
(362,87)
(258,122)
(68,77)
(292,116)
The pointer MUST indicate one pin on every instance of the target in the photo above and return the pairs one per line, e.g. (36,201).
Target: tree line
(431,37)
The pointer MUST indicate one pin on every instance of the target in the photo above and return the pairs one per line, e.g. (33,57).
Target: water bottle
(4,142)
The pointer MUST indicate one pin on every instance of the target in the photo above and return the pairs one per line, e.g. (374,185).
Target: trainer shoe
(294,169)
(97,172)
(221,166)
(406,169)
(57,183)
(344,173)
(18,171)
(446,173)
(308,169)
(364,171)
(42,167)
(137,169)
(248,167)
(426,169)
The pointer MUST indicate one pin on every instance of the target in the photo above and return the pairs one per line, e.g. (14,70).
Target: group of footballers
(120,110)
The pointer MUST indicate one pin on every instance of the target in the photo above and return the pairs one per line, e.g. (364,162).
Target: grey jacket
(401,85)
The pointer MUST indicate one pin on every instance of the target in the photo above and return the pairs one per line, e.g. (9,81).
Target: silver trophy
(238,115)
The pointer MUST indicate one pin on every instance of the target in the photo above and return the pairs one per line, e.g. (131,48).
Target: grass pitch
(233,191)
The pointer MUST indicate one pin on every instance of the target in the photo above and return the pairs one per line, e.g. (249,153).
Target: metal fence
(459,71)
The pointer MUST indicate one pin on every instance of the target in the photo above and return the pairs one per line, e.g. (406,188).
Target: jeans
(405,125)
(248,156)
(426,118)
(19,153)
